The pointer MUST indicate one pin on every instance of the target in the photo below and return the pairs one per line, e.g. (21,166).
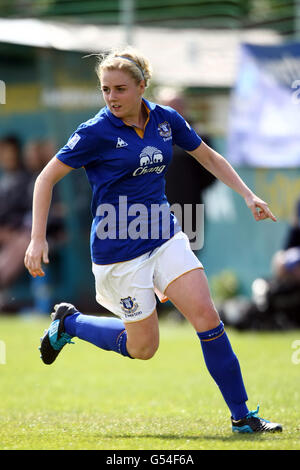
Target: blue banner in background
(264,123)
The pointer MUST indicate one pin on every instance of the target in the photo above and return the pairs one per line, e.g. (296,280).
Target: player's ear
(142,86)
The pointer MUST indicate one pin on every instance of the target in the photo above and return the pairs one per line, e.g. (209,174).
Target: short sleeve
(183,134)
(81,149)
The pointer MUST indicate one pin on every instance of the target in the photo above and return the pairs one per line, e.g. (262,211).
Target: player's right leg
(137,340)
(55,337)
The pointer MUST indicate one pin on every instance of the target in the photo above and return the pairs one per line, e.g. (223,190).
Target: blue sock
(107,333)
(224,367)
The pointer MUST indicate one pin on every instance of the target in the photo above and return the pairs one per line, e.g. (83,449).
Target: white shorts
(128,288)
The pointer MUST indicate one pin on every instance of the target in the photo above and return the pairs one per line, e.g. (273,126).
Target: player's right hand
(36,254)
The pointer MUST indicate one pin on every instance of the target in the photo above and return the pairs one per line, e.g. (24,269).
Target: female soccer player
(137,246)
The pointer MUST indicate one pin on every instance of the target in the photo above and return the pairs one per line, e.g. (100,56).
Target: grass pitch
(93,399)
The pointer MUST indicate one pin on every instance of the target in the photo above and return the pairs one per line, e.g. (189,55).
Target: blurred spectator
(14,205)
(186,179)
(37,154)
(293,237)
(275,302)
(286,262)
(18,172)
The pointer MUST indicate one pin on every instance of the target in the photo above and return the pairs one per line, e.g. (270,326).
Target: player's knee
(144,352)
(205,318)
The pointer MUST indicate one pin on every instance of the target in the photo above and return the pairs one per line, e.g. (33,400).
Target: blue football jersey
(126,171)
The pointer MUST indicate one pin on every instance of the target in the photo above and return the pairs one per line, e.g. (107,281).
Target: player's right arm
(37,251)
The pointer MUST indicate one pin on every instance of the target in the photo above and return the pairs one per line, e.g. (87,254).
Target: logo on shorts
(129,305)
(165,130)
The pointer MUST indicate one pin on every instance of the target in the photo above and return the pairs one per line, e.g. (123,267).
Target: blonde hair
(127,59)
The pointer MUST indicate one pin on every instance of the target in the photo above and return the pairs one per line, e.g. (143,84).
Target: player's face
(121,93)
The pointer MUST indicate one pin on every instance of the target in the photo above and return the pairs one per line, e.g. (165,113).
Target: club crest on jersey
(129,305)
(165,130)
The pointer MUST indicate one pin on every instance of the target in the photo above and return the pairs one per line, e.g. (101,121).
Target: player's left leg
(190,294)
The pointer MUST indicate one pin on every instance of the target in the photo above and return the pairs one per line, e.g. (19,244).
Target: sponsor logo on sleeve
(73,141)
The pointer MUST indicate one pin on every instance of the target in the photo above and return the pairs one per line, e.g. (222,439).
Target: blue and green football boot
(55,338)
(252,423)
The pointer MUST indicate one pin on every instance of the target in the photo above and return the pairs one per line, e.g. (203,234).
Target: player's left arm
(221,169)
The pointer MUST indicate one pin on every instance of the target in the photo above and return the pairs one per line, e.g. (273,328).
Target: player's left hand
(259,208)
